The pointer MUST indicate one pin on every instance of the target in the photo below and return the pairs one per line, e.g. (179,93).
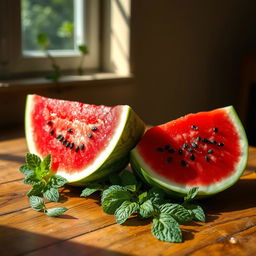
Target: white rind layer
(149,174)
(77,176)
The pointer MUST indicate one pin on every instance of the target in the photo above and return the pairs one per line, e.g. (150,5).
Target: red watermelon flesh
(78,136)
(207,149)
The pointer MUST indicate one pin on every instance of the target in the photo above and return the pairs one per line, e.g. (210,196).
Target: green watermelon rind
(177,190)
(115,156)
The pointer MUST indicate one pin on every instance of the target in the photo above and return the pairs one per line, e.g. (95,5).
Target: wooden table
(230,228)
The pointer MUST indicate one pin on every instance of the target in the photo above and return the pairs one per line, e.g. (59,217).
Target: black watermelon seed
(169,159)
(82,146)
(183,163)
(61,138)
(167,146)
(194,145)
(220,144)
(192,157)
(180,151)
(49,122)
(94,129)
(171,150)
(194,127)
(71,145)
(210,151)
(70,130)
(206,141)
(215,129)
(213,142)
(191,150)
(89,135)
(160,149)
(64,141)
(67,144)
(52,132)
(58,137)
(185,145)
(207,158)
(198,138)
(77,148)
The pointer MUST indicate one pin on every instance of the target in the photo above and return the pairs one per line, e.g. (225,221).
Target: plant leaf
(33,161)
(143,197)
(56,212)
(46,163)
(31,179)
(125,210)
(177,211)
(26,170)
(196,212)
(113,197)
(83,49)
(91,188)
(147,209)
(191,194)
(36,203)
(128,178)
(57,181)
(156,195)
(36,190)
(51,194)
(166,228)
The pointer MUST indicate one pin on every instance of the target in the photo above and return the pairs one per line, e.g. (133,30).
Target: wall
(186,54)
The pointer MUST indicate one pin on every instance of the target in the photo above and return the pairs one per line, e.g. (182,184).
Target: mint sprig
(44,183)
(124,196)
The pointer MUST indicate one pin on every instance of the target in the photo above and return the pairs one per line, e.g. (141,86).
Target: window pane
(53,18)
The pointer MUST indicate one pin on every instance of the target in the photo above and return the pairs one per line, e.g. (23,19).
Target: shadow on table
(19,242)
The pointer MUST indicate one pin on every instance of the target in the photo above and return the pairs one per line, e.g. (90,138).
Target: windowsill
(65,81)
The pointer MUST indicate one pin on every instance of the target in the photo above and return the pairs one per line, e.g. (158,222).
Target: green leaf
(156,195)
(83,49)
(113,197)
(191,194)
(125,210)
(147,209)
(91,188)
(177,211)
(56,212)
(57,181)
(51,194)
(166,228)
(37,203)
(143,197)
(36,190)
(196,211)
(33,161)
(31,179)
(128,178)
(46,163)
(26,170)
(115,179)
(43,41)
(131,188)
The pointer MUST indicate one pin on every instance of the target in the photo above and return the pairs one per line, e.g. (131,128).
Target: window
(65,23)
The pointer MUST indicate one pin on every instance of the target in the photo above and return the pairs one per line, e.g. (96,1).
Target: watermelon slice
(86,142)
(206,150)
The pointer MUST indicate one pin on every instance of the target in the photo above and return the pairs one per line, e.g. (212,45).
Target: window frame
(14,64)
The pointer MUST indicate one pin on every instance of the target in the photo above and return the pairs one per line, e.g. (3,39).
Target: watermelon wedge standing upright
(206,150)
(86,142)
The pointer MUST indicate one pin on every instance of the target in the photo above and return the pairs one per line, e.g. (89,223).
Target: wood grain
(230,227)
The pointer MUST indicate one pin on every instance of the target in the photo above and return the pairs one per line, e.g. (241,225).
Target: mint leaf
(90,189)
(113,197)
(57,181)
(26,170)
(125,210)
(156,195)
(33,161)
(46,163)
(37,203)
(131,188)
(31,179)
(114,179)
(51,194)
(56,212)
(143,197)
(191,194)
(128,178)
(177,211)
(196,212)
(166,228)
(147,209)
(36,190)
